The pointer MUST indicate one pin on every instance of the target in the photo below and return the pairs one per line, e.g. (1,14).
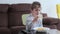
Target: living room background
(48,6)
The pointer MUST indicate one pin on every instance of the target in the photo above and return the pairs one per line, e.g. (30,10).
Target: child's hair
(34,5)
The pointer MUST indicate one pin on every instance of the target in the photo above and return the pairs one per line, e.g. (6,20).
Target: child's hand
(35,19)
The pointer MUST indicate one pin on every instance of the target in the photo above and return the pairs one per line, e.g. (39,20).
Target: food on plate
(39,29)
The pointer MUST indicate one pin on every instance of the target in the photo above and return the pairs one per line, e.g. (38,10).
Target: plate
(41,28)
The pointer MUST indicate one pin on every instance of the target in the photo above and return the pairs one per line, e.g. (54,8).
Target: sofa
(11,18)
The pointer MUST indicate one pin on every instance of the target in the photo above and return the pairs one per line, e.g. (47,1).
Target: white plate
(44,28)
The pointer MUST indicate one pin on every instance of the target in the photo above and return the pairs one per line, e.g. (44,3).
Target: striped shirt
(30,25)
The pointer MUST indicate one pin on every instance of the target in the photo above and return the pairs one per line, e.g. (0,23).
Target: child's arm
(29,22)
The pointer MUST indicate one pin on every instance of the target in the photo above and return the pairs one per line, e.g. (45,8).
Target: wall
(48,6)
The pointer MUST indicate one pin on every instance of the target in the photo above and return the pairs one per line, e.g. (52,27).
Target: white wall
(4,1)
(48,6)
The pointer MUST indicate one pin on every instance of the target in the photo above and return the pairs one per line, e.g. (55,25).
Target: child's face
(36,11)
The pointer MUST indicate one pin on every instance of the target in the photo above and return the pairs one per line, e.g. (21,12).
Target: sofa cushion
(17,27)
(54,21)
(14,19)
(3,7)
(3,20)
(46,21)
(50,21)
(15,14)
(20,7)
(5,29)
(58,25)
(51,26)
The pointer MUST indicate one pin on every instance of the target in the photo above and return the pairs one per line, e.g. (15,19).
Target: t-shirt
(30,25)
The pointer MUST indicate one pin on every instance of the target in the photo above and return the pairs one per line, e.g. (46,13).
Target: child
(35,17)
(34,20)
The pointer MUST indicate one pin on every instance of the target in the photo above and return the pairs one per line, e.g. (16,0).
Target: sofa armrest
(50,21)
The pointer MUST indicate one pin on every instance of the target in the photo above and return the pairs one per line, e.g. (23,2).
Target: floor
(58,32)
